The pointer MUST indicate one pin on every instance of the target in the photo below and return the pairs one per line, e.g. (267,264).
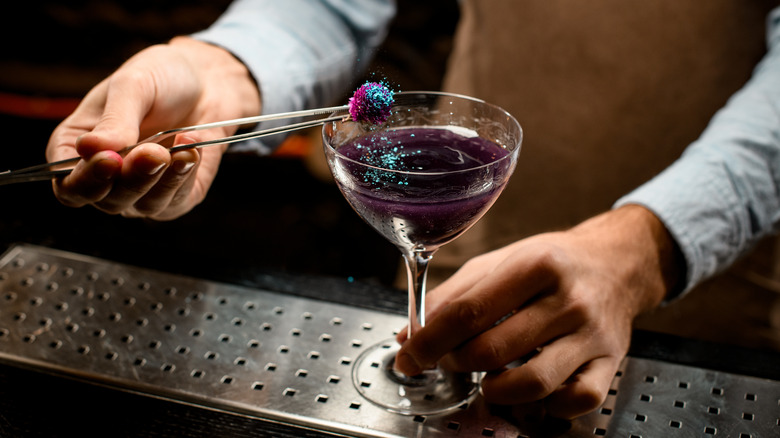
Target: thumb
(127,102)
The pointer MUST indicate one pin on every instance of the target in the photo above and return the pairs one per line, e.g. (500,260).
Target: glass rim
(509,156)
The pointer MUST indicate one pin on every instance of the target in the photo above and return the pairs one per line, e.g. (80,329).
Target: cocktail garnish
(371,103)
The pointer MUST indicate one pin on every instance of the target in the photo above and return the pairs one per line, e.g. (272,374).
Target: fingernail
(153,165)
(406,364)
(181,167)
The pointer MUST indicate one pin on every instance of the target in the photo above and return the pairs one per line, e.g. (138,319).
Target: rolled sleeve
(723,194)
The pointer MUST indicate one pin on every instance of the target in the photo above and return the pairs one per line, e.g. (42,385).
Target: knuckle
(108,208)
(469,315)
(575,307)
(578,310)
(540,383)
(147,209)
(576,400)
(69,201)
(132,214)
(546,265)
(550,256)
(180,197)
(75,195)
(489,355)
(587,397)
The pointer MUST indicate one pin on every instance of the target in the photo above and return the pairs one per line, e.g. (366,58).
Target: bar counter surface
(91,347)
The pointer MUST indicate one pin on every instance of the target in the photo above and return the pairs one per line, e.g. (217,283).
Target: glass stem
(417,273)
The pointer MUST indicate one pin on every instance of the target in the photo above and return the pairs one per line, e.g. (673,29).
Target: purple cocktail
(421,179)
(422,187)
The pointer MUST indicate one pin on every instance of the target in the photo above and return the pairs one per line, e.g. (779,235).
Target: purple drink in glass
(422,187)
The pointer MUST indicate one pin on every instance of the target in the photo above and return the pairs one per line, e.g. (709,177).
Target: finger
(128,99)
(456,285)
(460,282)
(128,96)
(474,271)
(541,375)
(174,184)
(515,337)
(585,391)
(90,181)
(471,273)
(141,170)
(522,275)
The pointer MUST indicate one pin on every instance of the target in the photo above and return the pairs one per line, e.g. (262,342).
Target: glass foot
(432,392)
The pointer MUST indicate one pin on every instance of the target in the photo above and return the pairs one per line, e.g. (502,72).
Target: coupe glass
(421,179)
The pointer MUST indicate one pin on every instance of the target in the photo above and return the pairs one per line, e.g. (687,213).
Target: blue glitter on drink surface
(387,160)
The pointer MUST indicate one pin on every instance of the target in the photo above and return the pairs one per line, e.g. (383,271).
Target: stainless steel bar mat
(288,359)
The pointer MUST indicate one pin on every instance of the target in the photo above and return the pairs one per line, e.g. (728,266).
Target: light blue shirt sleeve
(303,53)
(723,194)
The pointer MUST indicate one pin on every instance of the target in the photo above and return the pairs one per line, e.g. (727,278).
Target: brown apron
(609,93)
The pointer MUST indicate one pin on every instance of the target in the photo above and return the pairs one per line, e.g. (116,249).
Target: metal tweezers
(46,171)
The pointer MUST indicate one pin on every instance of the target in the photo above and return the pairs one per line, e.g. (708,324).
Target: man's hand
(182,83)
(568,299)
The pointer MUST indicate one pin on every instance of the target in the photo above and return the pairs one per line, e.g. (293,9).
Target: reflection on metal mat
(288,359)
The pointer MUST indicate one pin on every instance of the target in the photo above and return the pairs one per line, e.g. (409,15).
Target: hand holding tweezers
(47,171)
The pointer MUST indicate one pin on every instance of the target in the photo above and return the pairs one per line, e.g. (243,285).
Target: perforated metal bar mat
(288,359)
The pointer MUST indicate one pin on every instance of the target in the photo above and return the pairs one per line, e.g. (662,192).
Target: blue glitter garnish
(371,103)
